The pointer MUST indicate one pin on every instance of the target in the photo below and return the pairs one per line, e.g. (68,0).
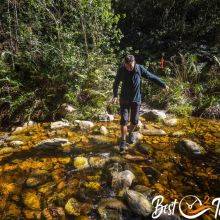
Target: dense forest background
(60,53)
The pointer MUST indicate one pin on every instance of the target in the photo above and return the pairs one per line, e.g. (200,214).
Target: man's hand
(166,88)
(114,100)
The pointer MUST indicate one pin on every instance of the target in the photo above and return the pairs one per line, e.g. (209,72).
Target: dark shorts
(131,109)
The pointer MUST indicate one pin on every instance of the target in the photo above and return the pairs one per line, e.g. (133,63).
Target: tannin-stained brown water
(36,183)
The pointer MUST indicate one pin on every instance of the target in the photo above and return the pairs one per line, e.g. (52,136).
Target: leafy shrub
(56,52)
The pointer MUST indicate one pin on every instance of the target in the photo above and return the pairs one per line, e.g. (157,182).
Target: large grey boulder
(122,179)
(84,125)
(51,143)
(138,203)
(190,148)
(59,124)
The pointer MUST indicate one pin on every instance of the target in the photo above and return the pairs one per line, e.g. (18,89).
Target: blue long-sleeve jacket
(131,82)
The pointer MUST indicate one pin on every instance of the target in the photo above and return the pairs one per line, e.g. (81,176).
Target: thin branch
(10,33)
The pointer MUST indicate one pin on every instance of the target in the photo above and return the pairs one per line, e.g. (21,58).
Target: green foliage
(194,88)
(56,51)
(154,27)
(176,100)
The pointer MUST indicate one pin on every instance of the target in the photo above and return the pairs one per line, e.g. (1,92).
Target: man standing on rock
(130,73)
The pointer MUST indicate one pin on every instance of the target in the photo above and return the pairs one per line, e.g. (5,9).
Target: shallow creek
(36,183)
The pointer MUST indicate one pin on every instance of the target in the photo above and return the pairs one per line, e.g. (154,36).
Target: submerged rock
(216,134)
(139,173)
(137,136)
(30,214)
(101,139)
(153,132)
(13,211)
(59,124)
(92,185)
(190,148)
(152,173)
(81,162)
(47,188)
(32,182)
(103,130)
(115,166)
(134,157)
(51,143)
(107,208)
(145,149)
(51,213)
(85,209)
(98,161)
(72,207)
(122,179)
(154,115)
(138,203)
(31,200)
(178,133)
(6,150)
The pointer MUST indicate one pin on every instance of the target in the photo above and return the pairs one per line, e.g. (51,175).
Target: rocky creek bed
(63,171)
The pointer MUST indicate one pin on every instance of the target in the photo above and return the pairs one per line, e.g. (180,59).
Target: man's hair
(129,58)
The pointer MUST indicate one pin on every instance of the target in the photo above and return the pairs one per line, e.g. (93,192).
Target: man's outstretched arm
(152,77)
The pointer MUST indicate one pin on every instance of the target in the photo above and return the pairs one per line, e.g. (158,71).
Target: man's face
(130,66)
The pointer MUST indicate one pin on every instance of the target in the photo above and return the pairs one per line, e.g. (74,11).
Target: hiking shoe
(131,138)
(123,146)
